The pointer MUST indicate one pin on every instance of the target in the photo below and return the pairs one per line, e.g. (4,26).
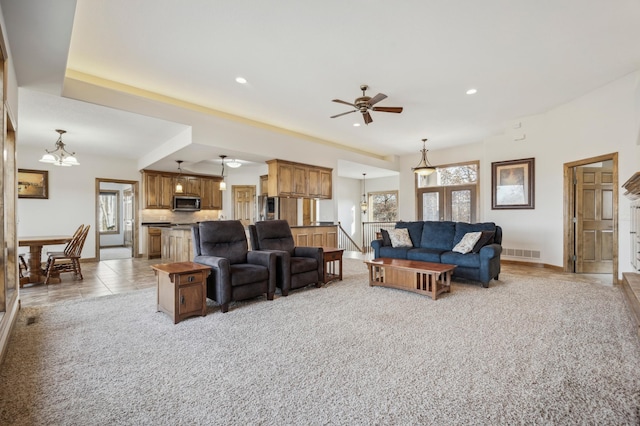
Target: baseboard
(532,264)
(6,325)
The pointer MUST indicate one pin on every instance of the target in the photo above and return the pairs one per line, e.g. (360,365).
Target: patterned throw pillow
(400,237)
(467,242)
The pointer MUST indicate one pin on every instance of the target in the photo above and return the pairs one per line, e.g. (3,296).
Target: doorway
(591,216)
(116,207)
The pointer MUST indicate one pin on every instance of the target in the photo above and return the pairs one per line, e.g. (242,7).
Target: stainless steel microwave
(183,203)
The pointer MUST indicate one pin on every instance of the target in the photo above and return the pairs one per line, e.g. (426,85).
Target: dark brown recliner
(297,266)
(237,273)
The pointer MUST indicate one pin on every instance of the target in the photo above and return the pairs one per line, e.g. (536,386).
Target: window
(449,194)
(109,212)
(383,206)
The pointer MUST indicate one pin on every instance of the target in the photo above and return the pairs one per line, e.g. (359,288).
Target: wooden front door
(244,204)
(594,220)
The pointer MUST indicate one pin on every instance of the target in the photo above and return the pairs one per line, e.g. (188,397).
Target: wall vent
(523,253)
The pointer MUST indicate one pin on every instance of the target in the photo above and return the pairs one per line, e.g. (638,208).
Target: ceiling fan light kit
(423,168)
(364,104)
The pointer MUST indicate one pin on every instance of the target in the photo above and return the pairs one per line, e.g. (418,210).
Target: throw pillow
(467,242)
(386,241)
(485,238)
(400,237)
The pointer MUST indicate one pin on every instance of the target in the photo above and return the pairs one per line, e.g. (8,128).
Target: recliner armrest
(262,257)
(308,252)
(213,261)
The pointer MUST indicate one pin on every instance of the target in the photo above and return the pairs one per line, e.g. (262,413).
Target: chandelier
(60,156)
(423,168)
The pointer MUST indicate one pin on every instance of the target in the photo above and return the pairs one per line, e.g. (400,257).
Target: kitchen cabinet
(264,185)
(320,183)
(154,243)
(289,179)
(159,189)
(191,185)
(211,194)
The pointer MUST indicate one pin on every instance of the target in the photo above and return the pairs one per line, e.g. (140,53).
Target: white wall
(71,199)
(600,122)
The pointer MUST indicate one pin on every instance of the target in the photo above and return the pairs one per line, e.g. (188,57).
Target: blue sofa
(433,242)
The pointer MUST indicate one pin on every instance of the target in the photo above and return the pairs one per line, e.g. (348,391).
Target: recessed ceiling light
(472,91)
(356,124)
(241,80)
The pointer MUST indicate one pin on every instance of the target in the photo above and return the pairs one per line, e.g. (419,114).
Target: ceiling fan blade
(377,98)
(388,109)
(344,113)
(343,102)
(367,118)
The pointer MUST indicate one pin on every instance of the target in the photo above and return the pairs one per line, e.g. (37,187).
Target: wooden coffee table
(412,275)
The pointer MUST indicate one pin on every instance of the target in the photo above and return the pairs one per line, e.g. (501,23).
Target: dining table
(34,261)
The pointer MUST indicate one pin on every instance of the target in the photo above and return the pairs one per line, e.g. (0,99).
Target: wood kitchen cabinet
(154,243)
(320,183)
(211,194)
(288,179)
(264,185)
(159,189)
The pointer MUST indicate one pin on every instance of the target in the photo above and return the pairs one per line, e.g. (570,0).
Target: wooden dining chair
(72,241)
(67,261)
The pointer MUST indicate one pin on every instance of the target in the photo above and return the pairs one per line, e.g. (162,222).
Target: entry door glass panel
(431,206)
(461,205)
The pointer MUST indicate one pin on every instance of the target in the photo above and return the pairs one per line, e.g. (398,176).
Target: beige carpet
(524,351)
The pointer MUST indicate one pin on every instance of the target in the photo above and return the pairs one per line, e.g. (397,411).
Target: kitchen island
(315,235)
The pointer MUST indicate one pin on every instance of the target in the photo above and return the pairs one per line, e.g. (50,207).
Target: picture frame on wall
(513,184)
(33,183)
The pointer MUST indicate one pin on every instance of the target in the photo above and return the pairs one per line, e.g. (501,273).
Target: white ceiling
(523,57)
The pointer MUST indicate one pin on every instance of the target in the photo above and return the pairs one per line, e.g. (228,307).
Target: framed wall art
(513,184)
(33,183)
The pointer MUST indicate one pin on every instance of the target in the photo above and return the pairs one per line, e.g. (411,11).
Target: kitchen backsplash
(163,215)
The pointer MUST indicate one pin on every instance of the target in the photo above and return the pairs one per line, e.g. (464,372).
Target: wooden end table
(426,278)
(182,289)
(331,256)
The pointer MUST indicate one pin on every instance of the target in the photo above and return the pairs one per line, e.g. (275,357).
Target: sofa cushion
(485,238)
(462,228)
(424,255)
(394,252)
(438,235)
(468,242)
(247,273)
(471,260)
(386,241)
(400,238)
(415,231)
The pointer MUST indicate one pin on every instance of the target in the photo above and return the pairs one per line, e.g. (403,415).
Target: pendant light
(423,168)
(179,188)
(60,156)
(223,184)
(363,204)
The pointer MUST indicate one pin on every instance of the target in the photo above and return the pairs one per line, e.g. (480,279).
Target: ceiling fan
(366,103)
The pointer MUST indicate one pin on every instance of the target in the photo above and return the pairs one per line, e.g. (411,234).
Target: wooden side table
(182,289)
(332,256)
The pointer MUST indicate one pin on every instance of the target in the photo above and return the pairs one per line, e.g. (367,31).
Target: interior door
(594,220)
(244,204)
(127,208)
